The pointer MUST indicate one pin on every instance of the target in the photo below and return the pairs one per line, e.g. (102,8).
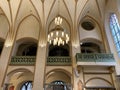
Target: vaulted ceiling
(72,11)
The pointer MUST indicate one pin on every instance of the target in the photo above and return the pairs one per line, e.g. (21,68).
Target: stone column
(39,74)
(4,61)
(117,81)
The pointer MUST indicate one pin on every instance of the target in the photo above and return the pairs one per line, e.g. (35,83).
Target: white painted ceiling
(46,10)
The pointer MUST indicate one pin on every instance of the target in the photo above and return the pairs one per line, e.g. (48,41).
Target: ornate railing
(95,58)
(30,60)
(58,61)
(23,60)
(58,87)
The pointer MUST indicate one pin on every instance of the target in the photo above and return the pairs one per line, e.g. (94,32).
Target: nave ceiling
(72,11)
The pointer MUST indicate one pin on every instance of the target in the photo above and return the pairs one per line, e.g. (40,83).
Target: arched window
(27,85)
(59,85)
(115,29)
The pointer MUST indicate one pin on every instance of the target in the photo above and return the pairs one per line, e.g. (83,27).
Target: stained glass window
(27,86)
(115,29)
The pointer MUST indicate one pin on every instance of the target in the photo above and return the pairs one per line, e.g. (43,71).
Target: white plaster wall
(96,69)
(25,9)
(28,28)
(104,76)
(58,73)
(113,50)
(4,27)
(52,68)
(102,7)
(98,83)
(58,76)
(14,68)
(118,5)
(95,33)
(95,76)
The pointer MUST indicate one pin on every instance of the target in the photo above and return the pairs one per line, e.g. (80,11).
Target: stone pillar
(75,71)
(39,74)
(6,54)
(4,61)
(117,81)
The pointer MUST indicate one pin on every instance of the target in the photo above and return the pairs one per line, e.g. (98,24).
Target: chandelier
(58,36)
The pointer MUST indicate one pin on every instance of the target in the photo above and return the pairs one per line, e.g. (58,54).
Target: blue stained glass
(118,26)
(118,36)
(27,86)
(119,54)
(115,39)
(117,46)
(115,30)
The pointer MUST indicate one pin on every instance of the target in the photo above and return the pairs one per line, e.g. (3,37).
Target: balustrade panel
(58,61)
(95,59)
(23,60)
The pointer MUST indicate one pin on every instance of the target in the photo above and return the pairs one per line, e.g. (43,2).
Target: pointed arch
(25,18)
(99,79)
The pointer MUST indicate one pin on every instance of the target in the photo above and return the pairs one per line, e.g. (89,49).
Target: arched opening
(90,47)
(17,79)
(59,85)
(27,49)
(58,80)
(59,50)
(98,84)
(26,85)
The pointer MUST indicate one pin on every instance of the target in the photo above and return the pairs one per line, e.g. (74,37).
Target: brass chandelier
(58,36)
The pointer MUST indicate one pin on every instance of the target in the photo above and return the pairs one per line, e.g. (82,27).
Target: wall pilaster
(39,73)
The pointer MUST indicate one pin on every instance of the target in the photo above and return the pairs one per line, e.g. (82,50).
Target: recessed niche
(88,25)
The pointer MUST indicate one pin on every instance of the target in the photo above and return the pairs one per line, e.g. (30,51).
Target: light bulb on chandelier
(58,36)
(58,20)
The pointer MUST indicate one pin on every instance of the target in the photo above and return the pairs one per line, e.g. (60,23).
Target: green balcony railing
(30,60)
(23,60)
(58,61)
(95,58)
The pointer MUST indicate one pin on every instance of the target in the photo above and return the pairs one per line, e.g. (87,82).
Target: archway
(98,83)
(26,85)
(27,49)
(90,47)
(58,80)
(59,50)
(16,78)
